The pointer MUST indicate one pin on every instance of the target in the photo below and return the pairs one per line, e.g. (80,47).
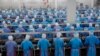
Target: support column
(71,11)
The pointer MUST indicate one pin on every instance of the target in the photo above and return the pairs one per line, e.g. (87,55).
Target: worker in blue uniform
(57,27)
(20,29)
(1,18)
(44,44)
(91,28)
(75,44)
(78,28)
(59,45)
(33,21)
(27,46)
(91,41)
(5,30)
(31,29)
(49,29)
(39,29)
(67,28)
(11,46)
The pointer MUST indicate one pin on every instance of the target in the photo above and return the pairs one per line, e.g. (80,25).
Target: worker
(40,29)
(43,44)
(57,27)
(75,44)
(67,28)
(11,46)
(91,41)
(33,21)
(20,29)
(1,18)
(78,28)
(59,45)
(91,28)
(49,29)
(27,46)
(5,30)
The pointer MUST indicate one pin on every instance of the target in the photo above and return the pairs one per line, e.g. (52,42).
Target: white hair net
(40,25)
(58,34)
(76,34)
(27,37)
(77,24)
(10,37)
(68,24)
(90,24)
(43,35)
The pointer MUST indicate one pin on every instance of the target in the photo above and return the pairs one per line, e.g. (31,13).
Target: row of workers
(32,13)
(48,28)
(43,44)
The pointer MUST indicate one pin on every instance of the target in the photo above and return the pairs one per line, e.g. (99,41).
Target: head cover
(31,26)
(97,25)
(98,17)
(56,24)
(90,24)
(0,16)
(17,17)
(72,27)
(68,24)
(40,25)
(24,20)
(5,25)
(91,32)
(77,24)
(8,16)
(82,15)
(58,34)
(43,35)
(16,20)
(49,25)
(76,34)
(8,21)
(33,19)
(20,26)
(3,22)
(10,37)
(27,37)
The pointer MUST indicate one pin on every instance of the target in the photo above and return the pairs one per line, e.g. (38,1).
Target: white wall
(30,3)
(38,3)
(87,2)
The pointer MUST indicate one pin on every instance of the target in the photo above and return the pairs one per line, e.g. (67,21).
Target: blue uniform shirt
(10,47)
